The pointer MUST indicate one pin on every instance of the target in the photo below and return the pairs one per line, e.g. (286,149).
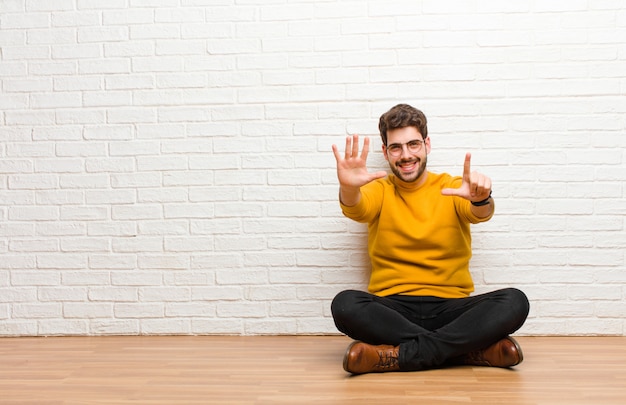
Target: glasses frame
(413,146)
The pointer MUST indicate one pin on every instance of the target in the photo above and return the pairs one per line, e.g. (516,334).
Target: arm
(352,170)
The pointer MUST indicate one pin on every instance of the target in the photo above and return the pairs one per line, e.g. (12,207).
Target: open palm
(352,167)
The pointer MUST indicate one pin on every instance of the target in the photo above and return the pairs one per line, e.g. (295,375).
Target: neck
(411,185)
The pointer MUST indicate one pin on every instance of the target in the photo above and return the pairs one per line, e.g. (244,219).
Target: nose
(405,151)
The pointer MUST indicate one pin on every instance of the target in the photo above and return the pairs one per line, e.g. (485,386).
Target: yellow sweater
(419,240)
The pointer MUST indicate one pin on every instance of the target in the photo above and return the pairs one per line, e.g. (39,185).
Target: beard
(412,175)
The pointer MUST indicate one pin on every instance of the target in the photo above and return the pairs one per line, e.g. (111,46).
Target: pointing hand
(475,186)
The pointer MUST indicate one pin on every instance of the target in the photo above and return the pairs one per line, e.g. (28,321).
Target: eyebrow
(399,144)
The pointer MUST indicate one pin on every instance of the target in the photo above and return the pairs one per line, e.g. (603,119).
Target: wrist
(483,202)
(349,196)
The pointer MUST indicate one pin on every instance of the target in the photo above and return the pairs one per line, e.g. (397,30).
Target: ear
(427,144)
(385,152)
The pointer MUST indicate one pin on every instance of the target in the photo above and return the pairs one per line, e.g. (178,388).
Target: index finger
(366,148)
(466,167)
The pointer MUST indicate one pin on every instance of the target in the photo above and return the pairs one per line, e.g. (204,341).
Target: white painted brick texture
(166,166)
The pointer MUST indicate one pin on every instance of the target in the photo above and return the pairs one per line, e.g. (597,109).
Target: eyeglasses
(414,146)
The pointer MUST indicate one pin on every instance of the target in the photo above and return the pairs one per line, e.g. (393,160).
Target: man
(418,313)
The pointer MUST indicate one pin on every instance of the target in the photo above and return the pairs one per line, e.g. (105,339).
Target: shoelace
(387,359)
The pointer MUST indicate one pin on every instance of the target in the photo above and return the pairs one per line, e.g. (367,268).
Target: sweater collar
(409,186)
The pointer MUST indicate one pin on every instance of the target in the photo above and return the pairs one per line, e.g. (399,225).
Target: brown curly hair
(401,116)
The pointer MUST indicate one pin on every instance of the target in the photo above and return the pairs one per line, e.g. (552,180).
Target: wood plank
(293,370)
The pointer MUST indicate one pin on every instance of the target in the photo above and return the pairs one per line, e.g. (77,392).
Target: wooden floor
(293,370)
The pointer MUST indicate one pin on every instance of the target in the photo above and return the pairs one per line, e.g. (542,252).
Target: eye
(394,147)
(414,144)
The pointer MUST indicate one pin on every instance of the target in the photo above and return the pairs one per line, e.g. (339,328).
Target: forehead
(403,135)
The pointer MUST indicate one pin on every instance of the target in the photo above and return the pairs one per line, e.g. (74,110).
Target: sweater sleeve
(368,207)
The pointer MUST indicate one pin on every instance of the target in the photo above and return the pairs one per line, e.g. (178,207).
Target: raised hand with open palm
(352,169)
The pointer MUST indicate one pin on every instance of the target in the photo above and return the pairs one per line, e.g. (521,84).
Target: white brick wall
(166,166)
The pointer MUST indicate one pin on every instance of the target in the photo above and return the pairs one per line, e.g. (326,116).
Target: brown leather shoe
(362,358)
(504,353)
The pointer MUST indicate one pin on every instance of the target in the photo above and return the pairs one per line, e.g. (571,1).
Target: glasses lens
(395,149)
(414,146)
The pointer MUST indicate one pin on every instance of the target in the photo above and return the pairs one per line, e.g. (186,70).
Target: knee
(518,301)
(342,304)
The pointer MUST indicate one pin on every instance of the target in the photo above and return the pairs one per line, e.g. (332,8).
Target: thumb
(375,176)
(450,191)
(379,175)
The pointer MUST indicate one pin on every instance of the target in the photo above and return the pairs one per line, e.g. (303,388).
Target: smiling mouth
(407,166)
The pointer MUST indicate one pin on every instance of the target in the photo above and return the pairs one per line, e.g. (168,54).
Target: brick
(87,310)
(18,328)
(26,53)
(62,294)
(106,98)
(218,294)
(241,310)
(74,51)
(134,278)
(61,261)
(100,34)
(84,278)
(166,326)
(128,16)
(59,165)
(271,326)
(138,311)
(29,118)
(152,30)
(33,213)
(62,327)
(164,294)
(164,262)
(82,116)
(165,227)
(33,245)
(292,309)
(194,310)
(187,244)
(216,326)
(193,278)
(200,211)
(250,276)
(131,115)
(80,213)
(13,101)
(37,311)
(170,194)
(112,261)
(115,294)
(137,245)
(24,21)
(14,295)
(114,327)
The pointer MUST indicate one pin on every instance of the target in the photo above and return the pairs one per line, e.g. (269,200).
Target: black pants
(429,330)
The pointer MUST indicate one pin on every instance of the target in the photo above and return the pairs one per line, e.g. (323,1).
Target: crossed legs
(429,331)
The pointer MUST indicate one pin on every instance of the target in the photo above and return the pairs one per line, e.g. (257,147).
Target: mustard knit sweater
(419,240)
